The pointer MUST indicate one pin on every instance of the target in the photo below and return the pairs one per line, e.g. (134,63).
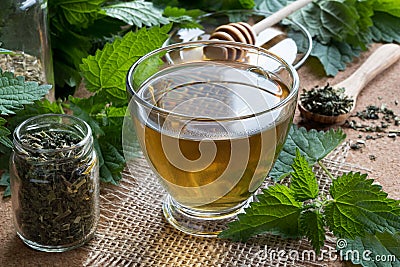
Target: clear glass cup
(54,176)
(211,118)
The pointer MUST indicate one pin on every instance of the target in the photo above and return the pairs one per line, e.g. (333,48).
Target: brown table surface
(381,156)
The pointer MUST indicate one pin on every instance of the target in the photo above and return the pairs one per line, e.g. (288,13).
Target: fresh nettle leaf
(312,225)
(137,13)
(116,112)
(68,50)
(280,210)
(107,69)
(82,114)
(105,75)
(362,37)
(148,67)
(360,207)
(385,28)
(303,183)
(185,18)
(106,123)
(388,6)
(211,5)
(334,56)
(81,12)
(15,92)
(276,211)
(379,250)
(271,5)
(331,20)
(93,105)
(230,4)
(355,209)
(340,29)
(312,144)
(111,162)
(77,28)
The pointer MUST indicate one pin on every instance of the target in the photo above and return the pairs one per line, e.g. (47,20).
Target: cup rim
(293,93)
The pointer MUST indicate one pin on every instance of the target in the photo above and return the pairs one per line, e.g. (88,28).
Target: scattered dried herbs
(326,100)
(55,193)
(375,119)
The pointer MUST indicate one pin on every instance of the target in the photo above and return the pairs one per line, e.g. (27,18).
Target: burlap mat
(133,232)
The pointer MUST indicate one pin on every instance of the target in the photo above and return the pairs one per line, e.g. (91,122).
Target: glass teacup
(211,118)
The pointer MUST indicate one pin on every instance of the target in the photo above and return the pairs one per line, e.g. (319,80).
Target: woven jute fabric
(133,232)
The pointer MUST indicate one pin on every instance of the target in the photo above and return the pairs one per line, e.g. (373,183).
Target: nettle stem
(318,203)
(60,106)
(326,170)
(325,198)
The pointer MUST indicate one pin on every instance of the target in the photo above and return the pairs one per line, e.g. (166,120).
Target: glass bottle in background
(24,31)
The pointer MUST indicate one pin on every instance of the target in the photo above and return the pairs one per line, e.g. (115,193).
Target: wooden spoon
(380,60)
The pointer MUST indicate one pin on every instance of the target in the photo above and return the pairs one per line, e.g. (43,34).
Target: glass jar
(24,32)
(54,177)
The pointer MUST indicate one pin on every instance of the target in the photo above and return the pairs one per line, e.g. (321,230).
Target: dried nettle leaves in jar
(54,182)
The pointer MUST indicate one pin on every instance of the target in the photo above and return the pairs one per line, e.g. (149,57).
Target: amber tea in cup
(210,127)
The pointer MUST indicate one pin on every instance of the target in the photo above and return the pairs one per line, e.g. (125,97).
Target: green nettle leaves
(385,28)
(184,18)
(389,6)
(276,211)
(304,184)
(312,225)
(334,56)
(355,209)
(81,12)
(312,144)
(108,67)
(112,162)
(360,207)
(331,19)
(384,247)
(341,28)
(138,13)
(104,75)
(80,27)
(15,92)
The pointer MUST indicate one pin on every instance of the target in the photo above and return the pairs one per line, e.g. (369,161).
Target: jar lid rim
(87,137)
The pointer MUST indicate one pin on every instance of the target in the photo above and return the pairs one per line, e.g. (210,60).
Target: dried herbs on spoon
(326,101)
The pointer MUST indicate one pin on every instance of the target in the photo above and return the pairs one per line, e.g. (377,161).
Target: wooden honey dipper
(243,32)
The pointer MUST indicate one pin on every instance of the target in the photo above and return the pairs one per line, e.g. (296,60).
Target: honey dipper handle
(381,59)
(279,15)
